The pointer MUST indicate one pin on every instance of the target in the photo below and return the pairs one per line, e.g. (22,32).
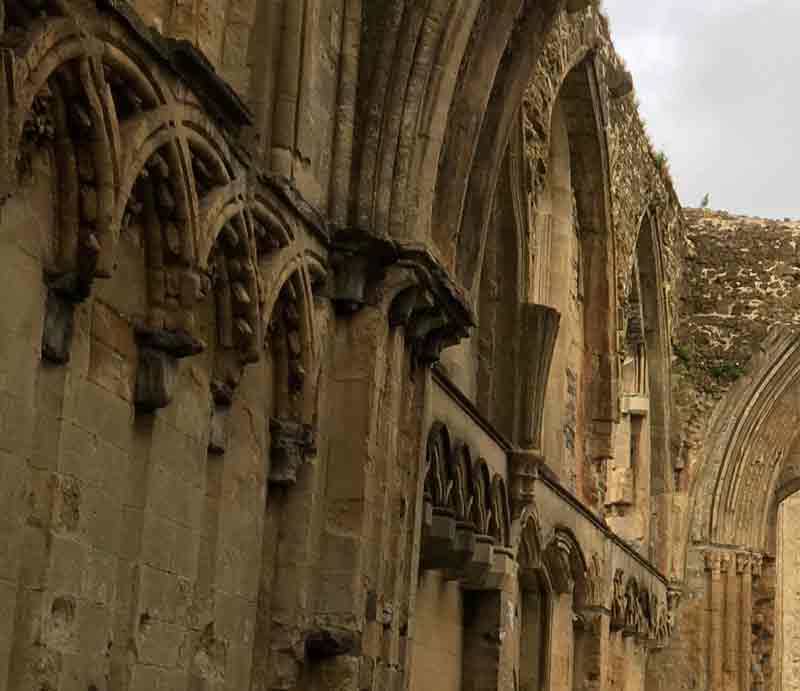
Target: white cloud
(715,79)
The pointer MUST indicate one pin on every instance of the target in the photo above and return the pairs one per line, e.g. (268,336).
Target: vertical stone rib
(370,135)
(714,565)
(731,662)
(263,55)
(341,169)
(285,119)
(403,64)
(745,628)
(419,79)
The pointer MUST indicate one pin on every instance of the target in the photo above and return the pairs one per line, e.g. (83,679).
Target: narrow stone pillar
(592,644)
(732,617)
(743,566)
(714,565)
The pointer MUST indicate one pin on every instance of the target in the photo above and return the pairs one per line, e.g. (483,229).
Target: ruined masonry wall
(788,607)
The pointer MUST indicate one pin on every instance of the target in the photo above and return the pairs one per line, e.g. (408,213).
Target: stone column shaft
(745,628)
(731,623)
(715,652)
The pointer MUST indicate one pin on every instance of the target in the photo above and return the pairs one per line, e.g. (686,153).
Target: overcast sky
(719,91)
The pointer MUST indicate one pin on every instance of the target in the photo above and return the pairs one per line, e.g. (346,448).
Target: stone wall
(787,631)
(240,237)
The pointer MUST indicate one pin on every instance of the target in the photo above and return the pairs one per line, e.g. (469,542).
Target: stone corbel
(524,469)
(359,260)
(439,542)
(539,331)
(292,443)
(157,371)
(59,321)
(429,334)
(463,550)
(429,328)
(64,292)
(434,312)
(503,568)
(480,566)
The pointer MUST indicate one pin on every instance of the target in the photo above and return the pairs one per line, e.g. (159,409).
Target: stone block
(158,593)
(14,485)
(80,456)
(46,441)
(101,519)
(620,484)
(131,532)
(8,601)
(187,550)
(113,330)
(338,595)
(16,424)
(111,370)
(502,570)
(634,404)
(100,578)
(439,547)
(158,642)
(477,570)
(104,414)
(158,541)
(94,630)
(67,565)
(463,550)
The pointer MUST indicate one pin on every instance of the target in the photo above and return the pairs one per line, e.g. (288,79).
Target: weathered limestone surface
(788,591)
(365,345)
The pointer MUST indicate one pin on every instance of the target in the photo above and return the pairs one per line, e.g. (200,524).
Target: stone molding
(637,612)
(466,526)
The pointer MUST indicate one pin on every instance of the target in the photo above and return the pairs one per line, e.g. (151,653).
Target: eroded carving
(292,443)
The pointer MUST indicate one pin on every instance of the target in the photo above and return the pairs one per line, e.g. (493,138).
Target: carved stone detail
(292,443)
(59,320)
(638,612)
(466,521)
(157,371)
(595,583)
(359,259)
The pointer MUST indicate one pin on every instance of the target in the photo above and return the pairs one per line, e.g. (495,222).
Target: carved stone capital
(359,259)
(292,442)
(713,560)
(743,562)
